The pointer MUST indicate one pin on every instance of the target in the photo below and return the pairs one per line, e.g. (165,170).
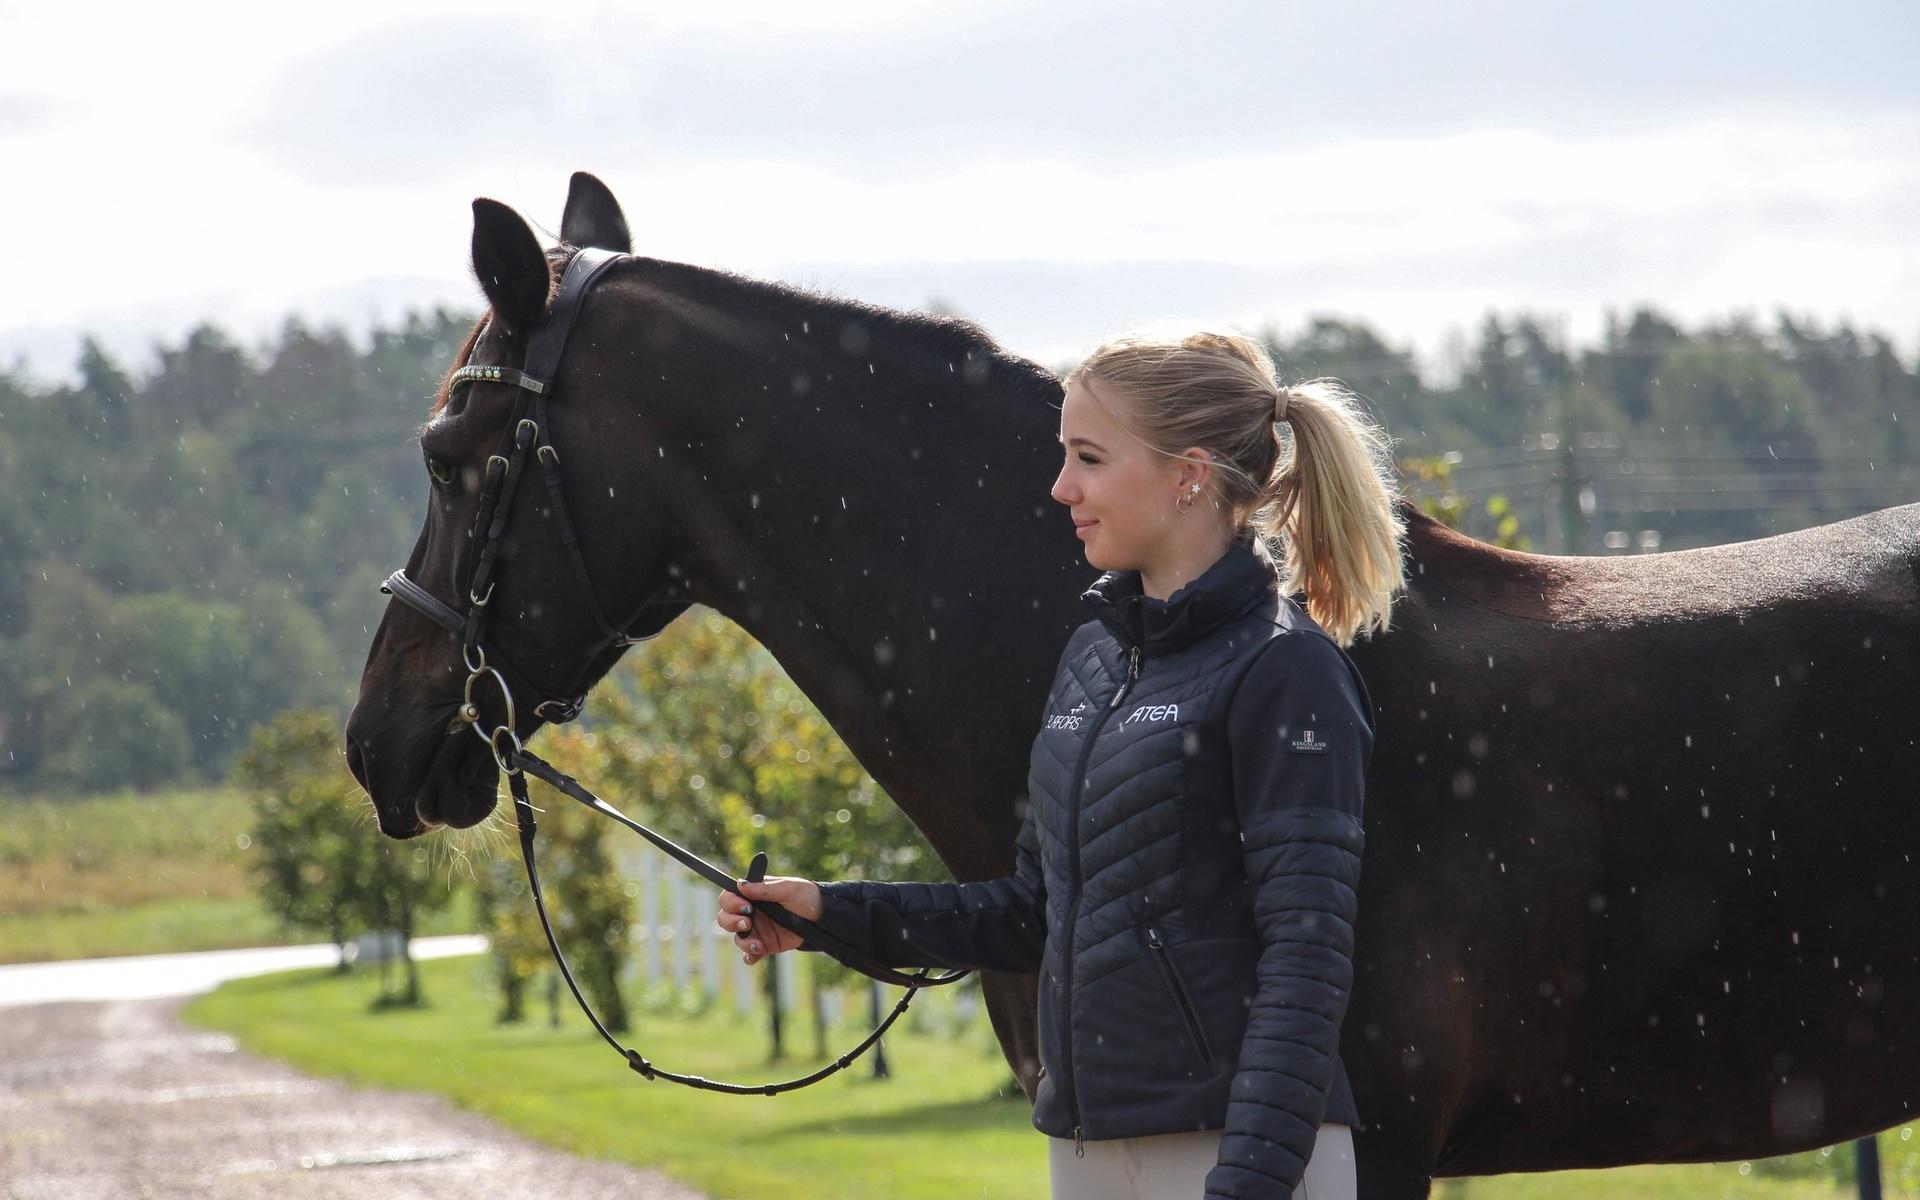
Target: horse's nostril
(356,762)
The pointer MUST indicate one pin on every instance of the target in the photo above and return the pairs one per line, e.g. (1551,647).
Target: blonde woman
(1188,865)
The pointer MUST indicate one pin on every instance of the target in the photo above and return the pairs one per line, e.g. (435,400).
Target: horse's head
(502,620)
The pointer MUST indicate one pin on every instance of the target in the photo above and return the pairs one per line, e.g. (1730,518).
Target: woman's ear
(1197,469)
(511,268)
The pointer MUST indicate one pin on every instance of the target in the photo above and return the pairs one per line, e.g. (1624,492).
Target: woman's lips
(1082,529)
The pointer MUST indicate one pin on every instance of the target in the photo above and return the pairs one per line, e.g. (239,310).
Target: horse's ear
(593,216)
(510,266)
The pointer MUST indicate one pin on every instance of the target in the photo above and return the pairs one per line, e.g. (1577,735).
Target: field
(137,874)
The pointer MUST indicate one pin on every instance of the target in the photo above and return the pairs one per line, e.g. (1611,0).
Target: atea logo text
(1153,712)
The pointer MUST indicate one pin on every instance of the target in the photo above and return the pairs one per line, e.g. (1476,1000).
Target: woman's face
(1126,490)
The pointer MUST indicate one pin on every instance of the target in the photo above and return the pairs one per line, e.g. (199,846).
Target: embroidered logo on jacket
(1153,712)
(1070,719)
(1309,743)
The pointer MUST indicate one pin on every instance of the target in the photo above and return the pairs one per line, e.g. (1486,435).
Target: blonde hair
(1329,498)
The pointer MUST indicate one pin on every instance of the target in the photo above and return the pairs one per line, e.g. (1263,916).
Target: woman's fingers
(757,939)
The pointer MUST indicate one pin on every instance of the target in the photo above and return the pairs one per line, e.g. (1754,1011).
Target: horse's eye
(442,472)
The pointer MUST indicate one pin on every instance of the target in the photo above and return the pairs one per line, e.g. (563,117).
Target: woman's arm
(1301,737)
(991,924)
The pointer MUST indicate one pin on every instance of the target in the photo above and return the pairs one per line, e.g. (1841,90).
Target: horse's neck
(880,522)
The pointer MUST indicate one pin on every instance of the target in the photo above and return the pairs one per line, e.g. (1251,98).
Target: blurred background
(1618,279)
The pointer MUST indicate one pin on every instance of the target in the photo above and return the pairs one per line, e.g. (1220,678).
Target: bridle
(528,436)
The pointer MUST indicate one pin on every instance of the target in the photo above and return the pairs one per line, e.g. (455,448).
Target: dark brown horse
(1638,860)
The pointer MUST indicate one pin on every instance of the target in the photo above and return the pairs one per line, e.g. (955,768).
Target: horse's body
(1624,814)
(1639,847)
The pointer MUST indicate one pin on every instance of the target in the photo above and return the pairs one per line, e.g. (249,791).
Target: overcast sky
(1059,172)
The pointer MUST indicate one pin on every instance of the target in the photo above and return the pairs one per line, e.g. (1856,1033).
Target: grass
(949,1124)
(941,1127)
(137,873)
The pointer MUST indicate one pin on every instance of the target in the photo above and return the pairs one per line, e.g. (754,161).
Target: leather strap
(423,602)
(504,471)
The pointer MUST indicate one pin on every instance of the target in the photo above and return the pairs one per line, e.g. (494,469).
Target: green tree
(321,863)
(728,753)
(310,862)
(515,944)
(107,733)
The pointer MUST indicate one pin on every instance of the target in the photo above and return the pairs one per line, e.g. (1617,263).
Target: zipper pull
(1079,1143)
(1153,938)
(1126,685)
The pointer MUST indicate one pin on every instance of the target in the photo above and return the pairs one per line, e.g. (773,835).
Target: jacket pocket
(1163,959)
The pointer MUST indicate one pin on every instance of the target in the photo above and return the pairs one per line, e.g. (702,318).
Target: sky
(1059,172)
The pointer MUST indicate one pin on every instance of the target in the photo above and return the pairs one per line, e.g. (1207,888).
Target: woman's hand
(758,935)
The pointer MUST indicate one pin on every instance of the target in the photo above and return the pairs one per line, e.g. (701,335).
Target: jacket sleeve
(1300,735)
(991,924)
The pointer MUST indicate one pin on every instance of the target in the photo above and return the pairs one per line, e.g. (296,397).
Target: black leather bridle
(528,435)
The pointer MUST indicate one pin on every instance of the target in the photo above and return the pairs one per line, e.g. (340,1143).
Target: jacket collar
(1236,581)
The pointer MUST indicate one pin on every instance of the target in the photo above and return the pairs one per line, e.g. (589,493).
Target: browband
(508,375)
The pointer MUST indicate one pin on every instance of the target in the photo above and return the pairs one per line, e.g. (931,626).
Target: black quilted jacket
(1186,875)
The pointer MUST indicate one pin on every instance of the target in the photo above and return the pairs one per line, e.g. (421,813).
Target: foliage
(198,546)
(515,945)
(113,733)
(730,754)
(1452,509)
(192,550)
(321,863)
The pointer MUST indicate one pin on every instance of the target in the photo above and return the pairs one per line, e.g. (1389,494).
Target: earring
(1188,506)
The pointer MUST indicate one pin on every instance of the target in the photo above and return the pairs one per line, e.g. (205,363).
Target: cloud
(400,103)
(1113,80)
(24,112)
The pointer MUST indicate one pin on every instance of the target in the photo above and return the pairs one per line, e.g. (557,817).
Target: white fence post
(682,931)
(710,959)
(650,917)
(784,964)
(743,981)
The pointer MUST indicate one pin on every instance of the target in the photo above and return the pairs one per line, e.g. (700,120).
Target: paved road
(138,977)
(116,1099)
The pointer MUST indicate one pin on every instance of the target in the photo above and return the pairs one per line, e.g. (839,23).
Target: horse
(1632,826)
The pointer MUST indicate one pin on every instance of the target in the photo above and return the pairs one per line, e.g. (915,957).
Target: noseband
(527,434)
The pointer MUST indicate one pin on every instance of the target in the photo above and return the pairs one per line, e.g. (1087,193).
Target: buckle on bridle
(559,712)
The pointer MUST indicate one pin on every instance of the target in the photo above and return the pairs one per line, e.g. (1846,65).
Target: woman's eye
(1088,461)
(441,471)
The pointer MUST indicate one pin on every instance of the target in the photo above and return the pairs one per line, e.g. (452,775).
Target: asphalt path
(116,1098)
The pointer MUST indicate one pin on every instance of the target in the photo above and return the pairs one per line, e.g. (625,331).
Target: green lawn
(937,1129)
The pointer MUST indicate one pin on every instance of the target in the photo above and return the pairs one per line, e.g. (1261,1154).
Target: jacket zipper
(1073,891)
(1171,974)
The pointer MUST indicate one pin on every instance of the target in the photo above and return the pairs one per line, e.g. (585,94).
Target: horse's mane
(954,339)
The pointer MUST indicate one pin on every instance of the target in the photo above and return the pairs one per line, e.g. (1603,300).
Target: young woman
(1188,863)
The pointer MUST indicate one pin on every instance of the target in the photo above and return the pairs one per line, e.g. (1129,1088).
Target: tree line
(186,552)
